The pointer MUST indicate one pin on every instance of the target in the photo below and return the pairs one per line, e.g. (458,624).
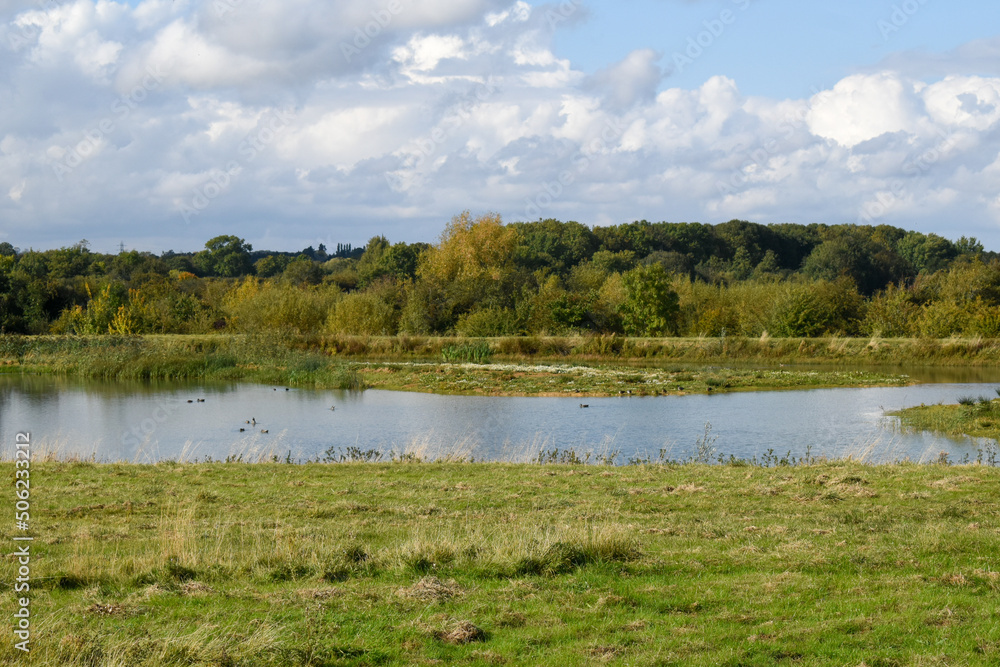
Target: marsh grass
(832,562)
(973,417)
(163,355)
(470,366)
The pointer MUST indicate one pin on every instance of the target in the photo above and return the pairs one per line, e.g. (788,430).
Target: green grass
(975,416)
(524,379)
(834,563)
(457,367)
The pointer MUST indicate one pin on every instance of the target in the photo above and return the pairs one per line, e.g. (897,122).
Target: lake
(147,422)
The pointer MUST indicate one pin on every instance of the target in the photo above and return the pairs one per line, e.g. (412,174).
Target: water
(145,422)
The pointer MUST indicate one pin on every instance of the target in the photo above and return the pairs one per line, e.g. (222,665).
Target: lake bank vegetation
(974,416)
(828,562)
(443,365)
(548,278)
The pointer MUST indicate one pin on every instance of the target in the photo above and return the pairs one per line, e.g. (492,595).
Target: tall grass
(278,357)
(171,356)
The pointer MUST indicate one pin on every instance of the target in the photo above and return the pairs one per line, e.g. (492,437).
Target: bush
(487,322)
(363,313)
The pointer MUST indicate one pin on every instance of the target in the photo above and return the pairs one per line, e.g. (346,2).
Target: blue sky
(775,48)
(163,123)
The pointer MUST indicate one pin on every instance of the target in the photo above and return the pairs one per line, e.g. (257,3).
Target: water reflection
(146,421)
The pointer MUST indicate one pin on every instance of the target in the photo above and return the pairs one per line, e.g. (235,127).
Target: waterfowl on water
(263,430)
(584,405)
(201,400)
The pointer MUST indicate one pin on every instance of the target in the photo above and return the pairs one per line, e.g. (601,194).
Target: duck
(584,405)
(263,430)
(201,400)
(242,429)
(190,401)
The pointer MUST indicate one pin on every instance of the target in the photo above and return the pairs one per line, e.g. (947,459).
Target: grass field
(834,563)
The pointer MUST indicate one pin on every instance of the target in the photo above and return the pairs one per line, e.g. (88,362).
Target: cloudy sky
(163,123)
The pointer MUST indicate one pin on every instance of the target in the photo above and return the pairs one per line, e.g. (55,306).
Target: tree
(969,246)
(473,265)
(926,253)
(303,271)
(651,306)
(553,244)
(850,252)
(226,256)
(271,265)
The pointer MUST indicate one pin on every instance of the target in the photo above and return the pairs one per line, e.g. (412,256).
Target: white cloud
(15,192)
(631,80)
(451,105)
(863,107)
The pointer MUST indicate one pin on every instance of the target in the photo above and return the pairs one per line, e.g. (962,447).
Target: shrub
(363,313)
(487,322)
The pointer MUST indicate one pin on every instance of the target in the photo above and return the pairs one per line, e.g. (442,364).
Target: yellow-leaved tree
(471,268)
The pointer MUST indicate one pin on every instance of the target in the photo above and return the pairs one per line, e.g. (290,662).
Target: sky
(160,124)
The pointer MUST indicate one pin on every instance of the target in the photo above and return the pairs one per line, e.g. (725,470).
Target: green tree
(969,246)
(851,252)
(397,261)
(651,305)
(302,271)
(272,265)
(225,256)
(926,253)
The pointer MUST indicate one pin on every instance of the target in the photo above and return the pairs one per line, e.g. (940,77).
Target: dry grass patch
(98,609)
(431,589)
(461,632)
(196,588)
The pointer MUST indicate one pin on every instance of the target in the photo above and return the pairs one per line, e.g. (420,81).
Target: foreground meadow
(833,563)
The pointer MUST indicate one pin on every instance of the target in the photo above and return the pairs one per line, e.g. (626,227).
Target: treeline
(485,278)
